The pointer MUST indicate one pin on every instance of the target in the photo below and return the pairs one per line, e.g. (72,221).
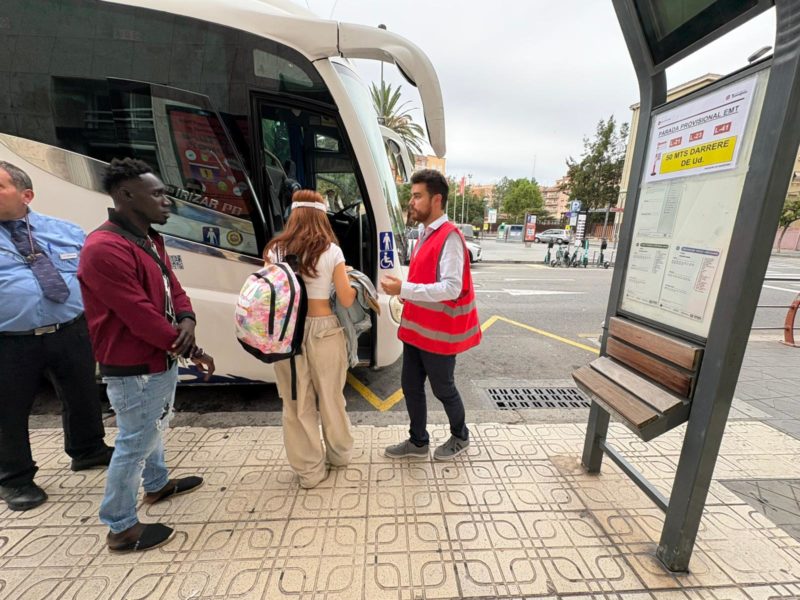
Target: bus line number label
(386,250)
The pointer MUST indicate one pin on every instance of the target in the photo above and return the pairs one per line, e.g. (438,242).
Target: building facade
(555,199)
(485,192)
(430,162)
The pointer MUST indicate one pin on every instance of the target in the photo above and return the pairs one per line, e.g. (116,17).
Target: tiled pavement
(516,517)
(769,383)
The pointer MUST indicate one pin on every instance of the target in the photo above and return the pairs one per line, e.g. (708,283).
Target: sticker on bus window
(211,235)
(387,259)
(387,241)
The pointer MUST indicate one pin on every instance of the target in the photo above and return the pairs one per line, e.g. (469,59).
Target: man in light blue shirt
(42,333)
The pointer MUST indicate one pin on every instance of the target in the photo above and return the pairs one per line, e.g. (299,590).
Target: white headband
(317,205)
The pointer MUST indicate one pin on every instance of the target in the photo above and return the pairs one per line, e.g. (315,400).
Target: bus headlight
(395,308)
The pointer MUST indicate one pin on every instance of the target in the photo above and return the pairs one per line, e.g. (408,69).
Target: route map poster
(695,166)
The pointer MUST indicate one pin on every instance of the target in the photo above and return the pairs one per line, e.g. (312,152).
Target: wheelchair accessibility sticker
(386,250)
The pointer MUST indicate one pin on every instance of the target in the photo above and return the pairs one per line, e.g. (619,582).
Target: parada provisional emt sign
(700,136)
(701,155)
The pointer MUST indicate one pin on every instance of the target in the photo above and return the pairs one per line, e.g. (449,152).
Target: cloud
(524,82)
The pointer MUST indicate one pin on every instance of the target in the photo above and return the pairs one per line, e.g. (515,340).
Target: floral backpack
(271,313)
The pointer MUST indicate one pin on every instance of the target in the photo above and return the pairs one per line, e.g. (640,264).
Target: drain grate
(533,397)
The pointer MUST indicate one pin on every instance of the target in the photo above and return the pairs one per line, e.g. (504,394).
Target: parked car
(511,233)
(412,235)
(473,245)
(559,236)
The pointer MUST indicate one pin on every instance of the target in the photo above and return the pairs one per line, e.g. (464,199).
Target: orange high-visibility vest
(446,327)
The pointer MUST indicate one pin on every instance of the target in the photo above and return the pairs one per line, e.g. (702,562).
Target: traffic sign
(387,259)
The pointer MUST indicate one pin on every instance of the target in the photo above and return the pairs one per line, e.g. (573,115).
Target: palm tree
(395,116)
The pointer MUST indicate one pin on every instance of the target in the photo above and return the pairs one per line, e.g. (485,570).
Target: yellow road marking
(551,335)
(367,393)
(489,322)
(394,398)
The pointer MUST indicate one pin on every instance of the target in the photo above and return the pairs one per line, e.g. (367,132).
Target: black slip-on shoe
(174,487)
(23,497)
(139,538)
(100,459)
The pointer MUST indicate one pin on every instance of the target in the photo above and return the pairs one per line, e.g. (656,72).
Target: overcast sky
(525,80)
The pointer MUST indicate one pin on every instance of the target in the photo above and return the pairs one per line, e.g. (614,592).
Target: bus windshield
(369,121)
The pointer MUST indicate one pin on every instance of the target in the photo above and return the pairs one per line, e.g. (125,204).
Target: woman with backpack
(321,368)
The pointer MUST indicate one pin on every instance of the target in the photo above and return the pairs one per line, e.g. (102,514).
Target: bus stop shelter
(708,181)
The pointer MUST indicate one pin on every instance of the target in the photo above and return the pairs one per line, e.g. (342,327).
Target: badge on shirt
(68,255)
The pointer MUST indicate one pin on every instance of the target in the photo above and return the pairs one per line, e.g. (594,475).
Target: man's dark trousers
(439,369)
(65,357)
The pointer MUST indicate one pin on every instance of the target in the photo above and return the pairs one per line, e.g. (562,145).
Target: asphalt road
(540,323)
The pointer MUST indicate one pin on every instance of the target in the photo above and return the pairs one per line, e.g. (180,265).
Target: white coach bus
(228,100)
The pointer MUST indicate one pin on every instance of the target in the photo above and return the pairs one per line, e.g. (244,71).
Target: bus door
(308,145)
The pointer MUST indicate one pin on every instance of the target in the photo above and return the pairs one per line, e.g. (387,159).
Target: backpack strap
(294,377)
(135,240)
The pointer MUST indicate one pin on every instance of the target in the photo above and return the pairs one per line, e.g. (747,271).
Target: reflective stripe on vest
(446,327)
(450,311)
(438,335)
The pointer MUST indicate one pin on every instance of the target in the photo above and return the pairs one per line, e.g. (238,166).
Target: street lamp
(758,54)
(382,26)
(464,197)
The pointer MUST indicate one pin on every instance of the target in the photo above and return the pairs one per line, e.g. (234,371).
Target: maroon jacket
(124,297)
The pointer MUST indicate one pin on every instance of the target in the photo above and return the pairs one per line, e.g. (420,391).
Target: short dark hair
(435,183)
(19,178)
(122,170)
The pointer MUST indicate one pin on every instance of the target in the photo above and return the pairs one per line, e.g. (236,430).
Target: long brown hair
(307,234)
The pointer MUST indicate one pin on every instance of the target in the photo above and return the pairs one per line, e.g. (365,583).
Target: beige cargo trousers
(321,374)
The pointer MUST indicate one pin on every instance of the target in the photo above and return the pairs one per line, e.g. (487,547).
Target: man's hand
(391,285)
(185,340)
(205,364)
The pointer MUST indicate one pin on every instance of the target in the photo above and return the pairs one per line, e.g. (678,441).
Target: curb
(509,262)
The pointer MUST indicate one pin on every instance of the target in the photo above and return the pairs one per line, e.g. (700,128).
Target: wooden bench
(646,379)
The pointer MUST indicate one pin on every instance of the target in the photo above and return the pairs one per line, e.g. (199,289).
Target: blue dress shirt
(22,304)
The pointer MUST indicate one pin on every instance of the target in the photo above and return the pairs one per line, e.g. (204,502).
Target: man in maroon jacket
(141,323)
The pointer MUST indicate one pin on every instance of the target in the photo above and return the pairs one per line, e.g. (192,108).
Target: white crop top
(319,287)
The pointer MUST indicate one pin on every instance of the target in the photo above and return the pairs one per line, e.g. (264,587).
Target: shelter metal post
(652,91)
(763,194)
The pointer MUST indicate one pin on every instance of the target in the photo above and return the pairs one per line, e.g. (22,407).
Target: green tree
(396,115)
(404,195)
(521,196)
(501,191)
(595,179)
(790,214)
(467,208)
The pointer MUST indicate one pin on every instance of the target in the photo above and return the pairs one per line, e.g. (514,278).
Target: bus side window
(181,136)
(276,153)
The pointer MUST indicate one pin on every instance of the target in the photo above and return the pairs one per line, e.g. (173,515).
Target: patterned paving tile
(515,517)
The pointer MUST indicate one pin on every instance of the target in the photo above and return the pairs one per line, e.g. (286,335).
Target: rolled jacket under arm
(355,319)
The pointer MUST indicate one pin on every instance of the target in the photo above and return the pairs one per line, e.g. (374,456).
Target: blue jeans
(143,405)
